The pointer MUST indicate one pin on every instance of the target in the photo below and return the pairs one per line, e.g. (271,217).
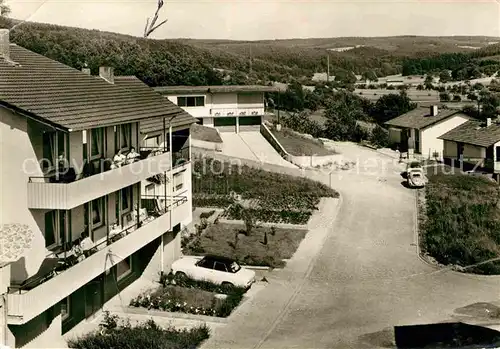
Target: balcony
(68,193)
(240,111)
(62,273)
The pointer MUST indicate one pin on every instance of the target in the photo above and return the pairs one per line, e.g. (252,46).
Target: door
(220,272)
(205,270)
(94,298)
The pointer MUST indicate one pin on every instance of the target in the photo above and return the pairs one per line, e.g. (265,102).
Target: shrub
(379,137)
(147,335)
(206,215)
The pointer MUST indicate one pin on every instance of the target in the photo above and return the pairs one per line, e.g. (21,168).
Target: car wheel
(180,275)
(227,285)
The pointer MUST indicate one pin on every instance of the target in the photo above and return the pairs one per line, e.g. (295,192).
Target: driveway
(365,279)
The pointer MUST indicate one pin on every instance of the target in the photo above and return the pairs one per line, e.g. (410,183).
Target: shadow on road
(445,335)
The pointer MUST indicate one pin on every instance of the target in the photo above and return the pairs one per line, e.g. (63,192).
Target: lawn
(147,335)
(228,240)
(205,133)
(190,296)
(278,195)
(462,223)
(300,146)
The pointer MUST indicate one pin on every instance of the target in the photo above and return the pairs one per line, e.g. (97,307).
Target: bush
(147,335)
(379,137)
(206,215)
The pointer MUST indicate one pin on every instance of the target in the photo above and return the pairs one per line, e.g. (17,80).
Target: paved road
(366,279)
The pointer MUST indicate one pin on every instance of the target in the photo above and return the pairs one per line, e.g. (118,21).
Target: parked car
(219,270)
(415,175)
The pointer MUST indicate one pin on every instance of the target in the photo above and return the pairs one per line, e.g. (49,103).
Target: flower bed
(190,296)
(146,335)
(272,216)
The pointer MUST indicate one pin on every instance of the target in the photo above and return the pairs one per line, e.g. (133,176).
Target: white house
(233,108)
(420,129)
(474,144)
(69,194)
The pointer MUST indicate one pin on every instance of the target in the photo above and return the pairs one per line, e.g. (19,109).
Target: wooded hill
(192,62)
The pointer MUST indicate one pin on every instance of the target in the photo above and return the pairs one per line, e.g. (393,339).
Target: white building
(232,108)
(420,129)
(66,191)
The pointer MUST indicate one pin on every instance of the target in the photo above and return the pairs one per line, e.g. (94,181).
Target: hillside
(192,62)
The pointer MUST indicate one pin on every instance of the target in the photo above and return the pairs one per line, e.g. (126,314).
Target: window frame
(67,315)
(128,272)
(123,130)
(54,138)
(100,143)
(191,101)
(223,264)
(58,230)
(99,203)
(129,200)
(497,153)
(178,177)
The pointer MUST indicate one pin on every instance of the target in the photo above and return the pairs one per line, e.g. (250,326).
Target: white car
(219,270)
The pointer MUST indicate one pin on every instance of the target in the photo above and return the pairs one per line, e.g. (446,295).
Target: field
(300,146)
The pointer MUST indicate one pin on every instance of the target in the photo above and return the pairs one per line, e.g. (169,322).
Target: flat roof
(171,90)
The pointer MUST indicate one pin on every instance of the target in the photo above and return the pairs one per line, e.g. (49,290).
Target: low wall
(301,161)
(206,145)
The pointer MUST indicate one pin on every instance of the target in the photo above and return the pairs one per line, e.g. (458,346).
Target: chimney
(107,73)
(5,44)
(434,110)
(86,71)
(488,122)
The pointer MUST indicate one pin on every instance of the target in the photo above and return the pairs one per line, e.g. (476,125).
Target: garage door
(225,124)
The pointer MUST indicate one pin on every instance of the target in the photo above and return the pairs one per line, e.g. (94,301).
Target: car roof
(219,258)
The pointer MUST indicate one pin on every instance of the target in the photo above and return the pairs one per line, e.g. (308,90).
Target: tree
(341,115)
(444,76)
(392,105)
(420,87)
(379,137)
(428,82)
(4,8)
(370,76)
(152,26)
(457,98)
(489,103)
(444,97)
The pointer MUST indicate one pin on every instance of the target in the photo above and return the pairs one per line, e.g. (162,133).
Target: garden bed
(191,297)
(116,333)
(461,222)
(262,247)
(279,198)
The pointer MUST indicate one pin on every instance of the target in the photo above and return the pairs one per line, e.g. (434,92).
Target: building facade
(73,173)
(420,129)
(228,108)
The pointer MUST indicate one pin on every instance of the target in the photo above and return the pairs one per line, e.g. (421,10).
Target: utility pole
(328,67)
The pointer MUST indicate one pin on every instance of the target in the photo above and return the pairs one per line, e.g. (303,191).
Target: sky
(271,19)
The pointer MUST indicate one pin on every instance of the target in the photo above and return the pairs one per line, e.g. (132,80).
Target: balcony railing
(239,111)
(63,272)
(65,191)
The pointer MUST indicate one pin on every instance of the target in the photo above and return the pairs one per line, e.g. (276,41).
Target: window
(126,199)
(206,263)
(150,189)
(220,266)
(123,137)
(497,151)
(191,101)
(124,268)
(54,146)
(96,143)
(55,228)
(178,181)
(65,308)
(97,213)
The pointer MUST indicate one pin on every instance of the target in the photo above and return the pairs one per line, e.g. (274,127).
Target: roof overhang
(33,116)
